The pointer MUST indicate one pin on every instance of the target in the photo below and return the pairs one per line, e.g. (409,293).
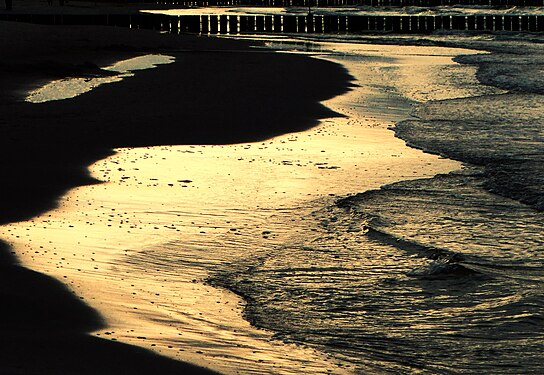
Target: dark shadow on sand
(203,98)
(211,95)
(43,331)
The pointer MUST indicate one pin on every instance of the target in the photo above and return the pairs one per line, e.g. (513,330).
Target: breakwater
(371,3)
(327,24)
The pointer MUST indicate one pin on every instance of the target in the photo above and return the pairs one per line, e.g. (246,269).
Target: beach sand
(228,94)
(57,213)
(45,149)
(221,105)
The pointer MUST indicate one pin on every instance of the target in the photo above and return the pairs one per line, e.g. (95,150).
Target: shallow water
(71,87)
(146,246)
(444,276)
(470,295)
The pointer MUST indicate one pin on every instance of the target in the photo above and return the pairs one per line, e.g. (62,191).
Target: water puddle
(68,88)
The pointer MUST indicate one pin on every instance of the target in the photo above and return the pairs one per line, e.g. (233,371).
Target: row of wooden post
(236,24)
(324,3)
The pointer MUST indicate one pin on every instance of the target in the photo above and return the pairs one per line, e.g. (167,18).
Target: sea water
(330,281)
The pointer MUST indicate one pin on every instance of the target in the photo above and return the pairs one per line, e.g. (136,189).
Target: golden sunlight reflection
(71,87)
(139,246)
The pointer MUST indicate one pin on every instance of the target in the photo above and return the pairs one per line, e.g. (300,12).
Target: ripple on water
(142,246)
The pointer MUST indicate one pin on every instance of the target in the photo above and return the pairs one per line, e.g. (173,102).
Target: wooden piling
(489,23)
(310,27)
(214,24)
(507,23)
(204,24)
(223,24)
(259,24)
(458,22)
(301,24)
(533,27)
(277,23)
(471,22)
(343,24)
(243,24)
(318,24)
(516,23)
(430,24)
(524,23)
(539,23)
(233,24)
(268,23)
(289,24)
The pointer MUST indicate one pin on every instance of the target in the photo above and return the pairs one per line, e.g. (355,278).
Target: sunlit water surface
(71,87)
(151,247)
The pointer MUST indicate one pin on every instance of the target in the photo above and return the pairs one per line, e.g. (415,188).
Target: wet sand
(236,97)
(45,149)
(136,215)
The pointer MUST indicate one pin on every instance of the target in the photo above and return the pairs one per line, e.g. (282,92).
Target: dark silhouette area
(203,98)
(43,331)
(32,301)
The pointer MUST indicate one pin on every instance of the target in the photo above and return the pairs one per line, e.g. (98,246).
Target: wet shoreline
(110,215)
(46,147)
(324,114)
